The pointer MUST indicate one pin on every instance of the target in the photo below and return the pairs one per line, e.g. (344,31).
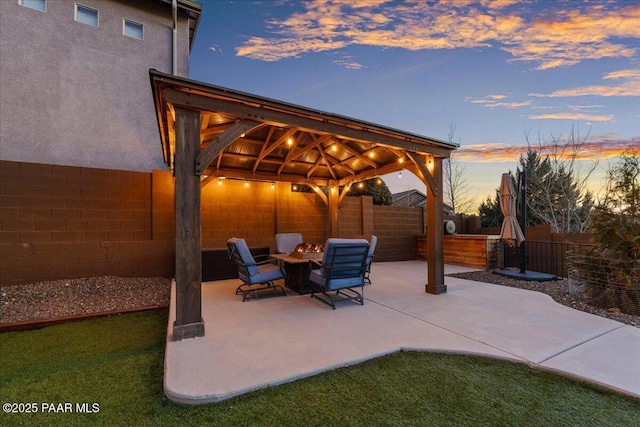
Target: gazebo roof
(245,136)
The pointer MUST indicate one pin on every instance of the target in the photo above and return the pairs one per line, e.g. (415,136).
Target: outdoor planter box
(470,250)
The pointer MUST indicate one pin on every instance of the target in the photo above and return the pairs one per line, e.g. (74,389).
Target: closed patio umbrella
(511,231)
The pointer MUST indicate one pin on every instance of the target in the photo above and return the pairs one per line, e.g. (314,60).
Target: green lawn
(116,363)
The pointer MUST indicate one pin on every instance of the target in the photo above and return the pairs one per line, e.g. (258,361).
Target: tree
(490,213)
(610,269)
(615,223)
(375,188)
(457,190)
(556,186)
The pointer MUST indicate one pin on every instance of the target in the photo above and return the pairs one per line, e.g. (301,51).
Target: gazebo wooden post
(435,232)
(189,322)
(432,178)
(334,206)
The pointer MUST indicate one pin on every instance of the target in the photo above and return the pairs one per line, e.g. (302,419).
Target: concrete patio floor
(256,344)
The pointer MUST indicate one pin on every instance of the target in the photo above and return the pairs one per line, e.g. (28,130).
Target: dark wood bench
(216,264)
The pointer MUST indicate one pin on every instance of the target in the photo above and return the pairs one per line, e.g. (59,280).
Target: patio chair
(342,269)
(258,277)
(373,241)
(287,242)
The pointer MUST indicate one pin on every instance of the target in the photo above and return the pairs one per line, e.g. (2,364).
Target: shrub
(612,270)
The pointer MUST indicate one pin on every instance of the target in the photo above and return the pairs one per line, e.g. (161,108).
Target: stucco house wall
(77,95)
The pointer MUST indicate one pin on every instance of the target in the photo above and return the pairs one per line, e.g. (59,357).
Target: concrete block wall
(396,228)
(232,209)
(350,217)
(238,209)
(163,217)
(50,203)
(366,204)
(61,222)
(465,224)
(303,213)
(33,262)
(66,222)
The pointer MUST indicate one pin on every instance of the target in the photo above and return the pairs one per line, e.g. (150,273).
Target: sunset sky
(498,71)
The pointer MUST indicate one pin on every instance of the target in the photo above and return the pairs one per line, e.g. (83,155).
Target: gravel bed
(557,289)
(63,298)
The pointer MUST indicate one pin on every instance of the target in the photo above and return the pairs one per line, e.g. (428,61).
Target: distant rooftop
(415,199)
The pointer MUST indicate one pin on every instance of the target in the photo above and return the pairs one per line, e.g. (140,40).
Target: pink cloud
(573,116)
(562,39)
(589,150)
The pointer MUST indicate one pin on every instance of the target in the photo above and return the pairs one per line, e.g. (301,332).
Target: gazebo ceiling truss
(247,137)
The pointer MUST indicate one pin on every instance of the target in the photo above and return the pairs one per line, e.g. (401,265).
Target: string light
(401,160)
(360,185)
(220,181)
(289,141)
(400,174)
(334,147)
(246,184)
(378,181)
(273,185)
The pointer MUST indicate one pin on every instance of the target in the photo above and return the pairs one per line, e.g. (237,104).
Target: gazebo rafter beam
(372,173)
(320,193)
(204,123)
(314,167)
(317,141)
(422,167)
(269,177)
(326,162)
(266,160)
(212,132)
(207,180)
(207,155)
(294,154)
(347,168)
(359,156)
(343,193)
(399,153)
(340,164)
(266,149)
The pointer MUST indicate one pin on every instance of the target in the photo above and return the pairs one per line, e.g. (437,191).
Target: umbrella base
(532,276)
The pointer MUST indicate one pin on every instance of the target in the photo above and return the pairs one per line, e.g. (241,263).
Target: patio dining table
(296,272)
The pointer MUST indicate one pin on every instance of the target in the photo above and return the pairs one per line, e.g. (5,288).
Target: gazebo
(209,132)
